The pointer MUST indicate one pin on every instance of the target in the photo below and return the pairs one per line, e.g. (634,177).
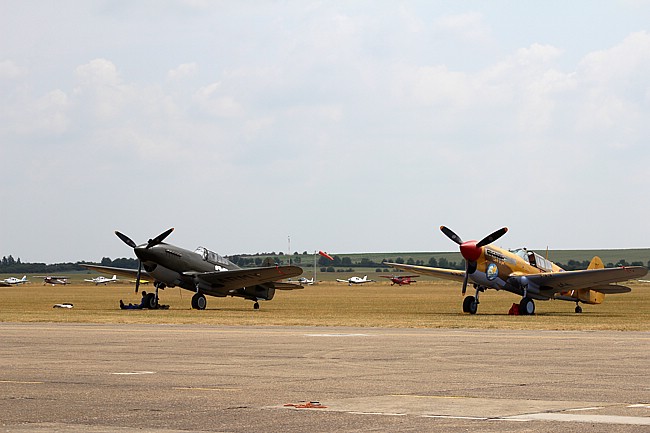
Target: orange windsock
(324,254)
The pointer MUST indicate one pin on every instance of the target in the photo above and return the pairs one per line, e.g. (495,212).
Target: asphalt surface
(114,378)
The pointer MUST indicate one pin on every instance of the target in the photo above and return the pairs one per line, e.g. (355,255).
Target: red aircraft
(402,280)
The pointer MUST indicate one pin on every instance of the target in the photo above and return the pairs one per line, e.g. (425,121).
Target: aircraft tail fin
(596,263)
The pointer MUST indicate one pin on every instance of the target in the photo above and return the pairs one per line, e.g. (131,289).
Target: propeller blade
(492,237)
(158,239)
(127,240)
(137,278)
(465,280)
(451,235)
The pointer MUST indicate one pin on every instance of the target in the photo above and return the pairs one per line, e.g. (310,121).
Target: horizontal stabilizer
(611,290)
(287,286)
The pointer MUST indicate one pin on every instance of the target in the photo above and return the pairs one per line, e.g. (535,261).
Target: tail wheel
(199,302)
(470,305)
(527,307)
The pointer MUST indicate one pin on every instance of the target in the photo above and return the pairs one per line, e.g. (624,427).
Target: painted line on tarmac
(22,382)
(476,418)
(376,413)
(598,419)
(191,388)
(578,409)
(337,335)
(133,373)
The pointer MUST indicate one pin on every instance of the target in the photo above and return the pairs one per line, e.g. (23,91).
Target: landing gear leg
(158,286)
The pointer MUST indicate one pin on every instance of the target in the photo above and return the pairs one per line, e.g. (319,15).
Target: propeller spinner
(471,250)
(150,243)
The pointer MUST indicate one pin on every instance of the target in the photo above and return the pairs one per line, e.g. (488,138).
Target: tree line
(9,264)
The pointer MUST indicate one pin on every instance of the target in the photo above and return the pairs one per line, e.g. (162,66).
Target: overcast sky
(350,126)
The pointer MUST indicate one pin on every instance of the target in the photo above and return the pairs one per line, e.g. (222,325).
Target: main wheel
(526,307)
(198,301)
(150,301)
(256,306)
(578,309)
(470,305)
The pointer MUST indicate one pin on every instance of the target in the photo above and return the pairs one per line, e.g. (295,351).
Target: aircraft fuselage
(174,266)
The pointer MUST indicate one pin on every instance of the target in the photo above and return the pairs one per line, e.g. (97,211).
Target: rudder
(596,263)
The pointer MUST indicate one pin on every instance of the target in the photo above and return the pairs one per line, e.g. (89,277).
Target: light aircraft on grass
(356,280)
(304,281)
(201,271)
(527,274)
(12,281)
(400,280)
(54,280)
(102,280)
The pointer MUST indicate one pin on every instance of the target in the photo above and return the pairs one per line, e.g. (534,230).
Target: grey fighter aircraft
(201,271)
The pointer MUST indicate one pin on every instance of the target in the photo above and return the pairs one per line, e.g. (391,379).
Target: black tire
(470,305)
(150,301)
(578,309)
(256,306)
(198,301)
(526,307)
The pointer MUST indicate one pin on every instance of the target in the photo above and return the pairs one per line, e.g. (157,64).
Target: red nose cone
(470,251)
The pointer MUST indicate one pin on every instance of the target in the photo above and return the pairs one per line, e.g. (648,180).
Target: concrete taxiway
(100,378)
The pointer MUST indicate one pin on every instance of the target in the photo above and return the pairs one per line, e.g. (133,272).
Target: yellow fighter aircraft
(528,274)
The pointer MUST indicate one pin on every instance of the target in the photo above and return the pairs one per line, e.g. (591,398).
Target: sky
(346,126)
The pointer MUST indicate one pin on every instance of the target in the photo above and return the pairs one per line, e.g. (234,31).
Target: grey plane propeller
(201,271)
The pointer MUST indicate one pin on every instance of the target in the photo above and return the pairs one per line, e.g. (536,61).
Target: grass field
(427,304)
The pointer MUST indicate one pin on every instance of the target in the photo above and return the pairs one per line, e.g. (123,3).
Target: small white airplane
(304,281)
(12,281)
(102,280)
(356,280)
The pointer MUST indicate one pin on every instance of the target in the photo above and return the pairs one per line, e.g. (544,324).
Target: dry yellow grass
(427,304)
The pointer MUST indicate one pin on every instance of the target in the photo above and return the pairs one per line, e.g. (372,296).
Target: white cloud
(9,70)
(468,26)
(186,70)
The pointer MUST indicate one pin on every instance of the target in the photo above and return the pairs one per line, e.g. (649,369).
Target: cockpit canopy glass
(212,257)
(534,259)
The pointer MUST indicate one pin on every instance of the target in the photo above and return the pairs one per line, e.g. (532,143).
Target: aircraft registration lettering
(495,255)
(219,268)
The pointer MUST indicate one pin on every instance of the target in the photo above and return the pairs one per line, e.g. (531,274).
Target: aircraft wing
(447,274)
(594,279)
(122,272)
(249,277)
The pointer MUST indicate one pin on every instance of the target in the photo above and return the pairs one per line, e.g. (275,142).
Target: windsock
(324,254)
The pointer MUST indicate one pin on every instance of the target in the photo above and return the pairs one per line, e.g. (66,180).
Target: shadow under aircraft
(201,271)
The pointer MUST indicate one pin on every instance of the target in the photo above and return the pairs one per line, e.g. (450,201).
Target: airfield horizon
(426,304)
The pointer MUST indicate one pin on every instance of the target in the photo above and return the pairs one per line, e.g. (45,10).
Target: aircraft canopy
(212,257)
